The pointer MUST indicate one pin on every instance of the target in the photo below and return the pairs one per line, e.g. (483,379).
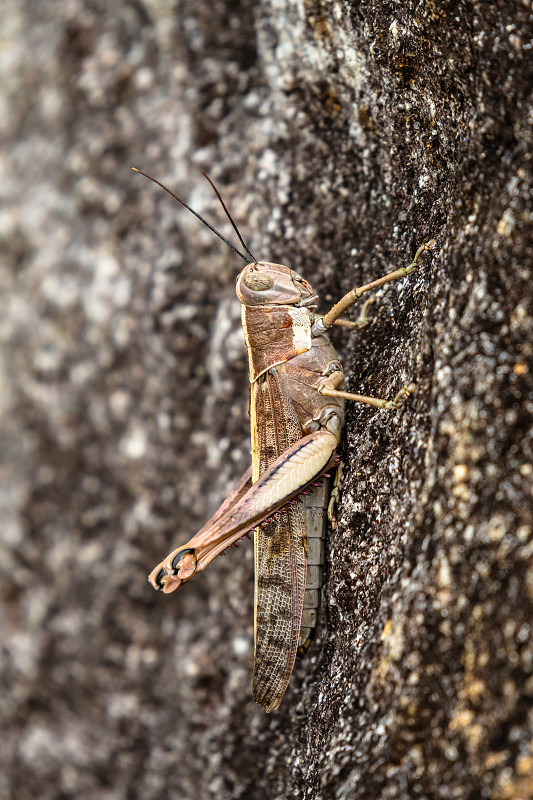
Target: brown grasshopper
(296,417)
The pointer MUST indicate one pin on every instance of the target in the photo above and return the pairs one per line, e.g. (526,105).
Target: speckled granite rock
(342,135)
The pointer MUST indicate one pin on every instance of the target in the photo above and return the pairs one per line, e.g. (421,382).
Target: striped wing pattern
(280,547)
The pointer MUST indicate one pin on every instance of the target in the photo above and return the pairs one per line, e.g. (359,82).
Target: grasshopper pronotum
(296,417)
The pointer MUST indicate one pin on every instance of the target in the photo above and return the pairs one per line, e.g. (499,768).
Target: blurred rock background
(342,136)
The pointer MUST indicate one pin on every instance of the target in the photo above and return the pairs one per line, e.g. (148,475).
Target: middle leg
(379,402)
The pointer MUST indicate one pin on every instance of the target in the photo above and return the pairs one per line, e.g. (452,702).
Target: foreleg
(353,296)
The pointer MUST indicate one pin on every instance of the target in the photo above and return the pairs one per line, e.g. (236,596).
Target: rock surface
(342,136)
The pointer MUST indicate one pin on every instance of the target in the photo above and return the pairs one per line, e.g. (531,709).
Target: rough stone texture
(343,135)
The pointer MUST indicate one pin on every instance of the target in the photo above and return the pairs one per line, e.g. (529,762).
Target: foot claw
(402,396)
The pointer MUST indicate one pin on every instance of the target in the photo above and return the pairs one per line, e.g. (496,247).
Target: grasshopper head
(263,284)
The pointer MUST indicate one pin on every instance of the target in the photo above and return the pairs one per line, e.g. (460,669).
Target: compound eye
(258,282)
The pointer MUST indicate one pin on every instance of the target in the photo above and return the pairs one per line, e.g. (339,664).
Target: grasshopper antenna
(184,204)
(235,228)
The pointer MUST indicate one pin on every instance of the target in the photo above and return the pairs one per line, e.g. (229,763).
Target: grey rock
(342,136)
